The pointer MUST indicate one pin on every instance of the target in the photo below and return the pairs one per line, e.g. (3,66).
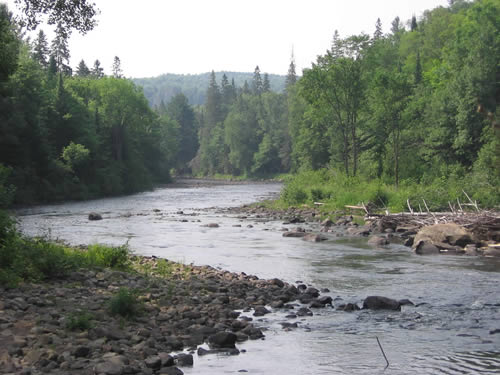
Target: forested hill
(194,86)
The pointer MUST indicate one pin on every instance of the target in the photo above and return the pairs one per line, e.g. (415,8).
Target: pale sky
(153,37)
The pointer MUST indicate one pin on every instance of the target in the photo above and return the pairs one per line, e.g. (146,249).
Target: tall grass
(336,191)
(25,259)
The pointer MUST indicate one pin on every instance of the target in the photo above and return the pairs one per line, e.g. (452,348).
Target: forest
(408,111)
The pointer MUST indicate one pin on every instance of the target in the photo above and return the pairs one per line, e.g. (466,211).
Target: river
(450,331)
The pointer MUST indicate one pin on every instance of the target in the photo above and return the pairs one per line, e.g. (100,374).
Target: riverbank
(105,321)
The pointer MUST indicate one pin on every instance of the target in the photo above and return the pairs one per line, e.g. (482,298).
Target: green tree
(117,69)
(60,50)
(257,85)
(82,70)
(97,71)
(41,49)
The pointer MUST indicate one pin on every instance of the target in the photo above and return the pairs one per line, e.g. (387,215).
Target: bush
(125,303)
(81,321)
(293,195)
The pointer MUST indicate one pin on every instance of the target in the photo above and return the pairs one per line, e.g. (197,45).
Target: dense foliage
(65,136)
(415,106)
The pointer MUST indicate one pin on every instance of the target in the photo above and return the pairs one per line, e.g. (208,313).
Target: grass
(125,304)
(79,321)
(336,191)
(26,259)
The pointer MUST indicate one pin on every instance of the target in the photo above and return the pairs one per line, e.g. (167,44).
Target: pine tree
(82,70)
(291,77)
(257,82)
(213,103)
(396,26)
(116,69)
(414,24)
(378,34)
(97,71)
(41,49)
(266,85)
(246,88)
(60,50)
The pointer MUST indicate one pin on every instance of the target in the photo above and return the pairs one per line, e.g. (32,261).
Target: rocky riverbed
(185,308)
(475,233)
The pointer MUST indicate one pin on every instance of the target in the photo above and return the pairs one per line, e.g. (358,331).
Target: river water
(449,331)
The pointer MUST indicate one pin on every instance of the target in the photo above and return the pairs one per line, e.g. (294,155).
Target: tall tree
(97,71)
(41,49)
(291,77)
(266,85)
(179,110)
(82,70)
(117,68)
(378,34)
(60,50)
(256,82)
(414,25)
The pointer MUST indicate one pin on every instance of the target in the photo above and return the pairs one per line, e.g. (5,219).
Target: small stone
(184,359)
(153,362)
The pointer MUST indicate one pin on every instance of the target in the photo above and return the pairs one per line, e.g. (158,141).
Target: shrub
(105,256)
(293,195)
(79,321)
(125,303)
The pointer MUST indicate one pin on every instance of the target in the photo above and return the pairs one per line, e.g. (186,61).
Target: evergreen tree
(256,82)
(60,50)
(116,69)
(396,26)
(97,71)
(291,77)
(41,49)
(378,34)
(266,85)
(82,70)
(246,88)
(414,24)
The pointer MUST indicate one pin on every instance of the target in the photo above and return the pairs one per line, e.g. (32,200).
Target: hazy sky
(152,37)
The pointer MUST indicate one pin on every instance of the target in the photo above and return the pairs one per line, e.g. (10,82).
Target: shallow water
(458,298)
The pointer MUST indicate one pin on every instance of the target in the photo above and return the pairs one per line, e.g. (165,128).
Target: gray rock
(109,368)
(381,303)
(153,362)
(81,351)
(222,340)
(311,237)
(425,248)
(184,359)
(294,234)
(171,371)
(95,216)
(378,241)
(261,311)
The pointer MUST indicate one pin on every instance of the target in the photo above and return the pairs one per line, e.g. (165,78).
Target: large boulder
(381,303)
(222,340)
(433,239)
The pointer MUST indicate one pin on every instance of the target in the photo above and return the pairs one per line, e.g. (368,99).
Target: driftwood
(484,224)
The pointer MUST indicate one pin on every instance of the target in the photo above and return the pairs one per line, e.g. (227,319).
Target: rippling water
(448,332)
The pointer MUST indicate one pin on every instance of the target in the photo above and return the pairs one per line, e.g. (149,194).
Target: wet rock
(109,368)
(294,234)
(95,216)
(313,292)
(171,371)
(261,311)
(184,359)
(287,325)
(304,311)
(425,248)
(405,301)
(381,303)
(359,231)
(348,307)
(378,241)
(311,237)
(211,225)
(327,223)
(491,252)
(326,300)
(277,282)
(222,340)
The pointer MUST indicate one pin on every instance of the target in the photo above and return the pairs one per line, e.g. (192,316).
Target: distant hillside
(194,86)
